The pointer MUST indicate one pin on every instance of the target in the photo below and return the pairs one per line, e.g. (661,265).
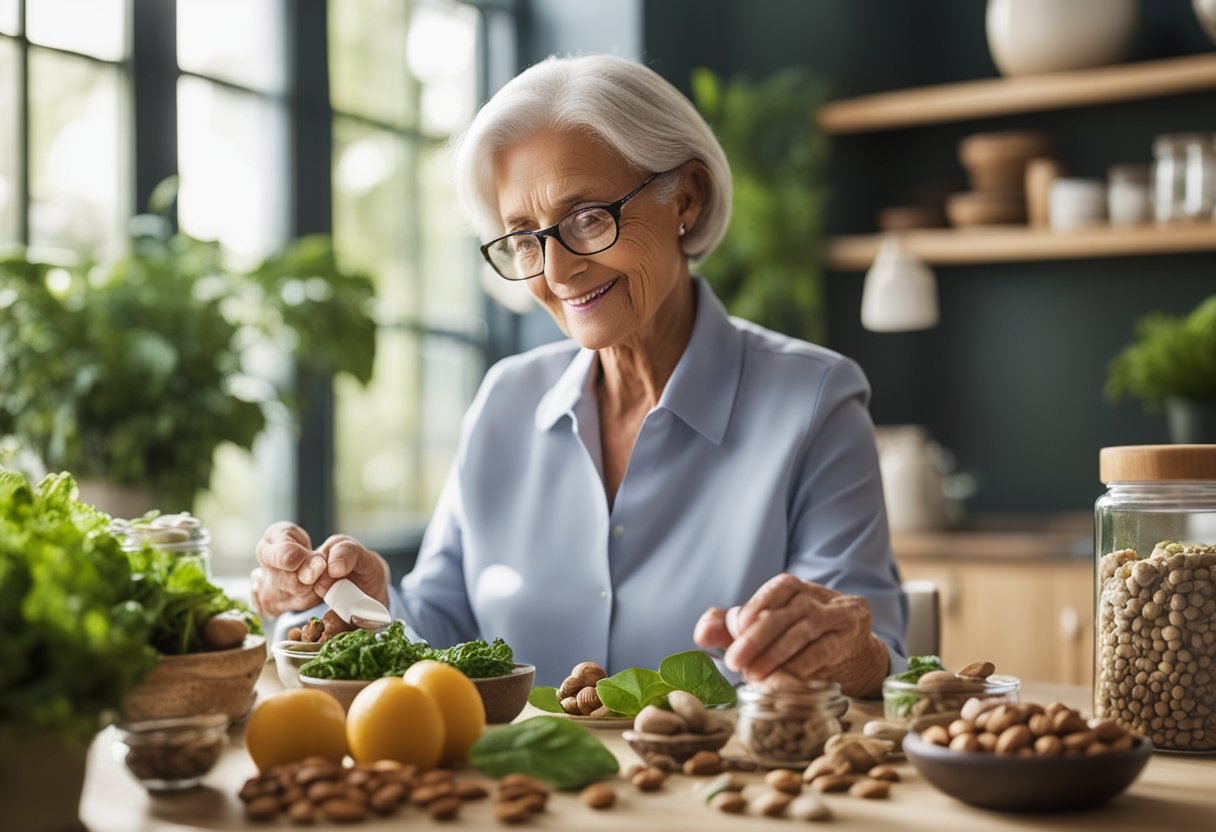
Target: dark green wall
(1011,380)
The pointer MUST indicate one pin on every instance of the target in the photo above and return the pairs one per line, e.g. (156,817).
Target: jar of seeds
(183,535)
(784,721)
(1155,620)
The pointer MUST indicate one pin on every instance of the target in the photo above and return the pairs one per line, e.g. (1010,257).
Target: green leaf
(545,698)
(695,672)
(557,751)
(631,690)
(918,666)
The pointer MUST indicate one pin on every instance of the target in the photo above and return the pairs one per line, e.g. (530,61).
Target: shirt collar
(701,390)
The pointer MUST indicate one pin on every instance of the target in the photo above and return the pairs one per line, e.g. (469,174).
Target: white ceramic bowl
(289,656)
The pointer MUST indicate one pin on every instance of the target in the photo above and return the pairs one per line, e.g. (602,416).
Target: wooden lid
(1154,463)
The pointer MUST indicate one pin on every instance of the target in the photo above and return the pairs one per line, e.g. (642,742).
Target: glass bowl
(906,703)
(290,656)
(171,754)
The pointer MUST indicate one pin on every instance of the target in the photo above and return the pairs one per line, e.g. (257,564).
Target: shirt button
(618,531)
(603,594)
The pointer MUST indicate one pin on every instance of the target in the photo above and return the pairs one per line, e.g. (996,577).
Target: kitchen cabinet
(1010,96)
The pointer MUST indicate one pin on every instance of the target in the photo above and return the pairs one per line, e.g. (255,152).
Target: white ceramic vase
(1205,10)
(1028,37)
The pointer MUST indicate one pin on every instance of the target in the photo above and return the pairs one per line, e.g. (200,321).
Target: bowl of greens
(346,663)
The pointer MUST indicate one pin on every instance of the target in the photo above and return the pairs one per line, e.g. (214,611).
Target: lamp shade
(900,292)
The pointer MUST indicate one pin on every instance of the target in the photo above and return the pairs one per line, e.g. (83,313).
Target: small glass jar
(1199,195)
(1155,616)
(1169,177)
(1127,195)
(905,702)
(171,754)
(182,534)
(787,724)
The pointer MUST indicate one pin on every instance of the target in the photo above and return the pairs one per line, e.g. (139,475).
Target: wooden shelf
(1008,96)
(1010,244)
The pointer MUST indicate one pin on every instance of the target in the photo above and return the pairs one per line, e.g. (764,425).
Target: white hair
(629,107)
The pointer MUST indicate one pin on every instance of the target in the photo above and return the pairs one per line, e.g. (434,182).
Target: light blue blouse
(758,458)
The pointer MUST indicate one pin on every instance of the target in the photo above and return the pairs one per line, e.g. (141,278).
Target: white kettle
(913,484)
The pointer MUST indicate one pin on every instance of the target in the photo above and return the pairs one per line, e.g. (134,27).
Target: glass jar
(182,534)
(171,754)
(905,702)
(788,724)
(1169,176)
(1155,616)
(1127,195)
(1199,195)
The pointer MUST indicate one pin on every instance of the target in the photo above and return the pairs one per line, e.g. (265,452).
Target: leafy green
(767,268)
(363,654)
(695,672)
(545,698)
(479,660)
(901,704)
(135,372)
(1171,357)
(632,689)
(562,753)
(75,643)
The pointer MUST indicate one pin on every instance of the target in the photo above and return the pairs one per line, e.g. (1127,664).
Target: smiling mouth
(583,300)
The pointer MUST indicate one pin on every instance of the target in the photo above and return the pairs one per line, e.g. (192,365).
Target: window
(395,216)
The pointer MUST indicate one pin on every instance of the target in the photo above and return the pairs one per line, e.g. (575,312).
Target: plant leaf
(695,672)
(631,690)
(558,751)
(545,698)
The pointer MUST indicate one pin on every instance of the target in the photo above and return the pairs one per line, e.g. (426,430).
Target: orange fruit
(390,720)
(295,724)
(464,714)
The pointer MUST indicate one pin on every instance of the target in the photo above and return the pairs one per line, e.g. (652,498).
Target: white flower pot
(1028,37)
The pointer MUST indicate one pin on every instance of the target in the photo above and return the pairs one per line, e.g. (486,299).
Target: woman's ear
(693,192)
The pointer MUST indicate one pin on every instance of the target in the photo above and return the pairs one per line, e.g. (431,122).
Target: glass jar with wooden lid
(1155,611)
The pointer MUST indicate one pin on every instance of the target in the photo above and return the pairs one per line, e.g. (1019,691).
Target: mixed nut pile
(1029,730)
(1157,644)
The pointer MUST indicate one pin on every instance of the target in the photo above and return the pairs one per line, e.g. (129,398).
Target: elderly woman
(613,492)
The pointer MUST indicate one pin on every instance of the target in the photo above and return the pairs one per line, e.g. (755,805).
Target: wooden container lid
(1157,463)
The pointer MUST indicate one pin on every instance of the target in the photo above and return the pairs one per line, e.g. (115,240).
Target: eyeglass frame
(613,209)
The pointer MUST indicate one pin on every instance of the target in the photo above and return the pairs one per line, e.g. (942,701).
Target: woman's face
(550,174)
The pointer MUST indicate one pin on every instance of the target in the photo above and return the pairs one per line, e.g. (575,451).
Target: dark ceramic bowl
(505,696)
(1027,784)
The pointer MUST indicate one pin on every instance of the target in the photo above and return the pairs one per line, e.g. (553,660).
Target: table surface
(1173,792)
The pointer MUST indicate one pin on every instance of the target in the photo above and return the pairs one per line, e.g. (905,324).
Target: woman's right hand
(291,576)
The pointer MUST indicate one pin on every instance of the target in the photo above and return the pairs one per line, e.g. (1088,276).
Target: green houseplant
(1172,363)
(767,268)
(135,372)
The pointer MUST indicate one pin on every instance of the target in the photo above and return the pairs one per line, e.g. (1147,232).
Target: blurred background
(287,118)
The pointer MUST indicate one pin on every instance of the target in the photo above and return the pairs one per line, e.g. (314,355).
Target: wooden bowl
(344,690)
(677,746)
(983,208)
(1026,784)
(220,681)
(997,161)
(504,697)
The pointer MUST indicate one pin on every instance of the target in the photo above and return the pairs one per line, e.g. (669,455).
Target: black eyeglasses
(521,254)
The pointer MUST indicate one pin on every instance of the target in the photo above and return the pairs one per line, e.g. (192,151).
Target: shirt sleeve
(838,523)
(434,599)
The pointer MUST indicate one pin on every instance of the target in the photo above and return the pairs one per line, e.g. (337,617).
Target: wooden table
(1173,792)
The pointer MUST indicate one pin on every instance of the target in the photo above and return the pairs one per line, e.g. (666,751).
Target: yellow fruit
(295,724)
(464,714)
(390,720)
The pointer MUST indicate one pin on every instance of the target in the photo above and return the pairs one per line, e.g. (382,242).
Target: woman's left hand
(801,628)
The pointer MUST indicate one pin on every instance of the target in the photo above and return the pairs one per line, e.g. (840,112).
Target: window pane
(79,154)
(10,139)
(10,17)
(240,41)
(375,223)
(94,27)
(368,74)
(450,260)
(231,153)
(397,437)
(441,53)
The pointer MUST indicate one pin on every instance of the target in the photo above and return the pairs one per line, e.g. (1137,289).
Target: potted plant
(134,372)
(86,621)
(1172,363)
(767,268)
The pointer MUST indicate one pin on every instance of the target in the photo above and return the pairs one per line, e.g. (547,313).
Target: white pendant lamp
(900,292)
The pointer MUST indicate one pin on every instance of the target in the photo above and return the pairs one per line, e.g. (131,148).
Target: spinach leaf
(545,698)
(479,660)
(558,751)
(632,689)
(918,666)
(695,672)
